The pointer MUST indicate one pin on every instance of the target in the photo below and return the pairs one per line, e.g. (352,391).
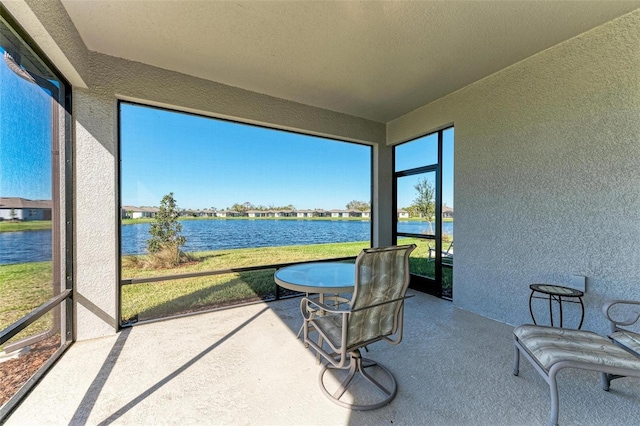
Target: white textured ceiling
(377,60)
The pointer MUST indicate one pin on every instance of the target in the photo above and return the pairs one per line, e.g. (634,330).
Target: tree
(358,205)
(12,213)
(287,207)
(242,208)
(412,210)
(425,200)
(165,231)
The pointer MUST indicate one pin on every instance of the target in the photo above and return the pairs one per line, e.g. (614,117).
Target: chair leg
(300,331)
(516,360)
(320,342)
(369,378)
(605,381)
(360,365)
(555,407)
(353,368)
(356,366)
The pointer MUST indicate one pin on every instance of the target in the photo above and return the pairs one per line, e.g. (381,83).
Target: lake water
(204,235)
(28,246)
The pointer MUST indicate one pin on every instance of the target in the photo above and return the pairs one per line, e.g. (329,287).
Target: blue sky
(214,163)
(25,138)
(422,152)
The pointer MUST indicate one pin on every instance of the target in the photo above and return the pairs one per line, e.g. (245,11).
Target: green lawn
(23,288)
(29,225)
(153,300)
(225,259)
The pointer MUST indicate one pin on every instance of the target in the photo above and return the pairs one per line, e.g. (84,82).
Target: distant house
(447,212)
(125,212)
(200,213)
(228,213)
(403,214)
(15,208)
(133,212)
(284,213)
(305,213)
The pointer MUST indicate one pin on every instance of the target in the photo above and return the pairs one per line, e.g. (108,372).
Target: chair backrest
(382,275)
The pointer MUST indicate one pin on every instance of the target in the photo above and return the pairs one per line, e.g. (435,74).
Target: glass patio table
(319,277)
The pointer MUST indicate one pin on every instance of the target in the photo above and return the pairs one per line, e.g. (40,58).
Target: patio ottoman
(550,349)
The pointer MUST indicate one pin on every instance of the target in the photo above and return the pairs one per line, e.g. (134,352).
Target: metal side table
(556,293)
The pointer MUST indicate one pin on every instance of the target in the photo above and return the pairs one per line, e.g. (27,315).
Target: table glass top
(556,290)
(325,275)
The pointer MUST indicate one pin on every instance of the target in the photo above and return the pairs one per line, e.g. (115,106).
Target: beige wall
(547,174)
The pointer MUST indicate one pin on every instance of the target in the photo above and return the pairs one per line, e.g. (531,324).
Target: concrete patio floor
(244,366)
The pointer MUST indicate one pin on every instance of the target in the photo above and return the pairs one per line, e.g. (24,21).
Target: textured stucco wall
(95,190)
(383,215)
(135,81)
(547,179)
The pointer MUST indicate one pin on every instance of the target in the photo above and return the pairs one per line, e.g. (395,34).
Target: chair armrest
(631,316)
(308,305)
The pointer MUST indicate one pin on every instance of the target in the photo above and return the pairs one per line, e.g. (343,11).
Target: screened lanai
(541,100)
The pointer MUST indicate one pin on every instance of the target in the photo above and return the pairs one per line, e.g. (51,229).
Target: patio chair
(374,313)
(447,255)
(551,349)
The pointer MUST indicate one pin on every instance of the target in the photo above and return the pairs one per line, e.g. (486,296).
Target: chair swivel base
(358,366)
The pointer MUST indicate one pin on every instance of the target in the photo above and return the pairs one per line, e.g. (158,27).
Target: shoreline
(43,225)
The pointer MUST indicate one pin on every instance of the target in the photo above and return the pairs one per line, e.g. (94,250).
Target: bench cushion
(550,345)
